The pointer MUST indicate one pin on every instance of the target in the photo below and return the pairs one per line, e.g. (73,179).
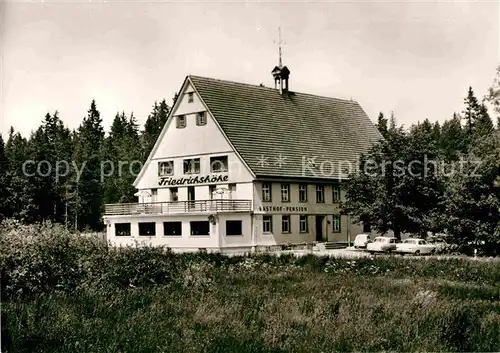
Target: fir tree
(4,209)
(471,109)
(452,140)
(87,187)
(123,155)
(19,192)
(483,126)
(153,126)
(382,123)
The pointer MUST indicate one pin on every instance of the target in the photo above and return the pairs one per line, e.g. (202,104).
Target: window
(336,193)
(147,229)
(267,224)
(190,97)
(232,190)
(285,224)
(200,228)
(165,168)
(303,226)
(320,193)
(172,228)
(234,228)
(181,121)
(303,193)
(154,192)
(266,192)
(285,192)
(174,194)
(201,118)
(218,164)
(211,191)
(336,223)
(122,230)
(192,166)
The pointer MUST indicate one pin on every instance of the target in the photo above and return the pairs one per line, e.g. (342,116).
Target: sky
(416,59)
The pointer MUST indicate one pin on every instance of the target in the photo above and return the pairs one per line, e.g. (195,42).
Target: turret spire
(279,42)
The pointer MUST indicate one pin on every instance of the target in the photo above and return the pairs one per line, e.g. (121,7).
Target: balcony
(199,206)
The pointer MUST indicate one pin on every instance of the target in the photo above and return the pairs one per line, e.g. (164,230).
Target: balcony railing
(177,207)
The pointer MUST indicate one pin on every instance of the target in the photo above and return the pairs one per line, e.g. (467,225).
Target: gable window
(303,226)
(190,97)
(285,192)
(165,168)
(201,118)
(336,193)
(180,121)
(303,193)
(200,227)
(147,228)
(267,224)
(122,230)
(234,228)
(336,223)
(320,193)
(285,224)
(192,166)
(172,228)
(266,192)
(218,164)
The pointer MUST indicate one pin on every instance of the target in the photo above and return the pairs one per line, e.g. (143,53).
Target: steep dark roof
(260,122)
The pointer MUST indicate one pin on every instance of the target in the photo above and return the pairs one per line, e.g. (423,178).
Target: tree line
(435,178)
(36,186)
(429,177)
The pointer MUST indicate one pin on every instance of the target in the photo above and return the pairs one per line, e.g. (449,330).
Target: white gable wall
(193,141)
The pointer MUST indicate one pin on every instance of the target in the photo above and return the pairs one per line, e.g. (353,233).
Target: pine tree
(471,109)
(19,192)
(483,126)
(452,140)
(87,187)
(122,152)
(39,181)
(4,209)
(382,124)
(153,126)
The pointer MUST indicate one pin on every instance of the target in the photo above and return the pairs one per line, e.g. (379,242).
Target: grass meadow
(67,293)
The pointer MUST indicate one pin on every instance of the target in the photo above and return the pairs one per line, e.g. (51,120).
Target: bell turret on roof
(280,73)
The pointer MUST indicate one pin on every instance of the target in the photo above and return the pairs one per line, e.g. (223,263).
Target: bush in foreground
(64,293)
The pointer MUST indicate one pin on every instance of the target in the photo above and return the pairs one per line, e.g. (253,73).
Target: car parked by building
(382,244)
(361,241)
(415,246)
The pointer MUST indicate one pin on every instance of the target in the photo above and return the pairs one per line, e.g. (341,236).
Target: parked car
(415,246)
(361,241)
(382,244)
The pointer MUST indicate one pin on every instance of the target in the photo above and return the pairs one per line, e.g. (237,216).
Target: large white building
(238,167)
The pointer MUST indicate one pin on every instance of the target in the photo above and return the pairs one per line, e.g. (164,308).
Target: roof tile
(259,121)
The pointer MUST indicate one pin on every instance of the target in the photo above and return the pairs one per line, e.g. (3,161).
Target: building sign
(283,209)
(193,180)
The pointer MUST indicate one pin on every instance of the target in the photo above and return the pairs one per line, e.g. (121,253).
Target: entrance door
(319,228)
(191,197)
